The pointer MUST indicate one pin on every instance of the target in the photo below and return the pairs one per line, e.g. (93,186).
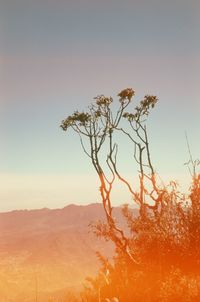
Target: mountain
(43,252)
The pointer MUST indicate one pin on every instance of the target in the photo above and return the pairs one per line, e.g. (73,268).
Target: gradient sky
(55,56)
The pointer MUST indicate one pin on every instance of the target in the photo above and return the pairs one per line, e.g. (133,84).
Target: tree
(98,126)
(166,231)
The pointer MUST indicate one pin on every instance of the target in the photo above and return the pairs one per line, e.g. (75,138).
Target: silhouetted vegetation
(158,258)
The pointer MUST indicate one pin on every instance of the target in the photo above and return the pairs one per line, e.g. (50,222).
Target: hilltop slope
(48,249)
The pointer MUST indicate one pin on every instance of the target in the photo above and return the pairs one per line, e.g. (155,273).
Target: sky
(55,56)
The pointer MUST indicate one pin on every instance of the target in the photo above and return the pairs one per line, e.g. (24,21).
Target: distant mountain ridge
(55,244)
(66,215)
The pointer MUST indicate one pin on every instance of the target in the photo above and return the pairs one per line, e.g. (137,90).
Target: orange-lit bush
(167,248)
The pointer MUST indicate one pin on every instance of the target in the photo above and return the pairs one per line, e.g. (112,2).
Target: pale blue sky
(56,56)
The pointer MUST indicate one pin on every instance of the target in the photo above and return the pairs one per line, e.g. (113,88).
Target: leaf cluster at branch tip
(81,118)
(145,105)
(127,93)
(103,100)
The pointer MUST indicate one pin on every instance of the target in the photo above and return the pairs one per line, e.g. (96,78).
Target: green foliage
(79,118)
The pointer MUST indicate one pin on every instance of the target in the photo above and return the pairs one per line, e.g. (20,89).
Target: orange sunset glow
(99,157)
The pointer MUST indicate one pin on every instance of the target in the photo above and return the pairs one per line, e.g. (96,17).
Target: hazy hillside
(48,251)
